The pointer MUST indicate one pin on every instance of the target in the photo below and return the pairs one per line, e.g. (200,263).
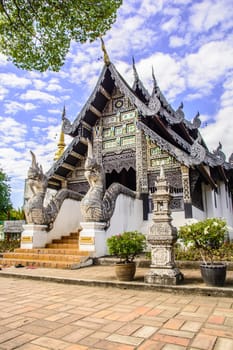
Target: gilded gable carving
(157,157)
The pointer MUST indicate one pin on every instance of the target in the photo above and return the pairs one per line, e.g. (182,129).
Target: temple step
(39,263)
(60,253)
(51,251)
(34,257)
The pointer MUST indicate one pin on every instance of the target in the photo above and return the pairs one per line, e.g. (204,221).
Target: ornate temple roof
(138,87)
(165,126)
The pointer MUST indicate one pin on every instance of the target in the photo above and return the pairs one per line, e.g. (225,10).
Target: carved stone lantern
(162,237)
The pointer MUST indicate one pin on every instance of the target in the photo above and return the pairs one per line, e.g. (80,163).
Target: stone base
(93,238)
(164,276)
(34,236)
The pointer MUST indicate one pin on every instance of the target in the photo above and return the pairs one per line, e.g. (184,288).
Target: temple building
(104,180)
(133,132)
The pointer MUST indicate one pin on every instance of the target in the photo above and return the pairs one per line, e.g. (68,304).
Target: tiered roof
(167,127)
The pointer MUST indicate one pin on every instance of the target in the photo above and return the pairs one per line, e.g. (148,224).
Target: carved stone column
(141,170)
(162,237)
(186,192)
(97,142)
(141,162)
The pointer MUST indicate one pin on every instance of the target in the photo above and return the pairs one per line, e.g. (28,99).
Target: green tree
(16,214)
(5,191)
(36,34)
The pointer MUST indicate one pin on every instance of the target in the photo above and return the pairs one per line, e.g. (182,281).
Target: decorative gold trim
(106,57)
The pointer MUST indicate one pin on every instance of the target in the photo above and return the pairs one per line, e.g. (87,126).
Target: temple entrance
(126,178)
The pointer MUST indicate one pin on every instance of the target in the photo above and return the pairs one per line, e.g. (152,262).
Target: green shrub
(9,245)
(207,236)
(224,253)
(126,246)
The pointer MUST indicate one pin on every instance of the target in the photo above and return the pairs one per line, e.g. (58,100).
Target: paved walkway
(39,315)
(103,275)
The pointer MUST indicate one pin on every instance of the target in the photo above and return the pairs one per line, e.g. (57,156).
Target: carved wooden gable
(157,157)
(117,129)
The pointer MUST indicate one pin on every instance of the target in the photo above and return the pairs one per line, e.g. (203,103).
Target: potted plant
(207,236)
(126,247)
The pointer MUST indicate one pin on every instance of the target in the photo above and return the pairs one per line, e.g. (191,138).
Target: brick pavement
(39,315)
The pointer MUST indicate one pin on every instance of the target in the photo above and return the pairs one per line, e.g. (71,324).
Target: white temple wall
(208,198)
(67,221)
(178,218)
(198,214)
(226,204)
(219,205)
(127,216)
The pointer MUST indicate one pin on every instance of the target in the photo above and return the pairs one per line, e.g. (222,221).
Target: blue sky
(190,46)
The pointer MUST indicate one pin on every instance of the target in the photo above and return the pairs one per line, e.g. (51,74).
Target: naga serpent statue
(98,204)
(36,187)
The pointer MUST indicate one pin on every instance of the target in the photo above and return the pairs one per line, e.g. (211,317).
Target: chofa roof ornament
(154,103)
(136,77)
(231,159)
(219,155)
(106,57)
(196,121)
(179,113)
(198,152)
(66,125)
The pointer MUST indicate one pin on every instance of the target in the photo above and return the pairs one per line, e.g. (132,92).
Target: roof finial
(61,143)
(136,77)
(63,113)
(106,57)
(154,79)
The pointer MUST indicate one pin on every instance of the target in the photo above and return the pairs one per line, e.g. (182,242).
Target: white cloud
(44,119)
(150,7)
(39,84)
(54,84)
(11,131)
(39,96)
(54,87)
(55,111)
(12,107)
(167,72)
(177,41)
(11,80)
(221,130)
(209,13)
(171,24)
(205,67)
(78,75)
(3,92)
(193,96)
(227,96)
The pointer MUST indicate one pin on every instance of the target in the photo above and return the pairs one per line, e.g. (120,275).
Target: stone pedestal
(93,238)
(161,272)
(162,237)
(33,236)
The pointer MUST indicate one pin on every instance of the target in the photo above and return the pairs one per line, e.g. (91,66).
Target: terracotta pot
(125,272)
(214,274)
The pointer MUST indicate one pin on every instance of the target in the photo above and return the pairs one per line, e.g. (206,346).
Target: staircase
(61,254)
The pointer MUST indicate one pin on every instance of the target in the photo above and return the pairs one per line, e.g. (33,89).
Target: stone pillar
(33,236)
(162,237)
(93,238)
(186,192)
(141,170)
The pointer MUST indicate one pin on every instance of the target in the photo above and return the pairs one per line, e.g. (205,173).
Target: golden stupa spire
(61,143)
(106,57)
